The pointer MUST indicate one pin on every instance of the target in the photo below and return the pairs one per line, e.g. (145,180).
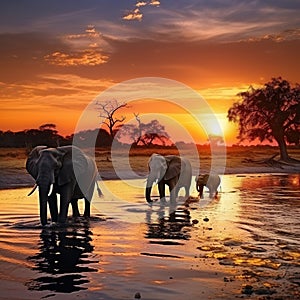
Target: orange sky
(54,62)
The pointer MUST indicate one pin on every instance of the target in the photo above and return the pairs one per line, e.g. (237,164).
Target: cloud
(286,35)
(216,20)
(52,90)
(141,3)
(84,58)
(154,3)
(134,15)
(54,97)
(86,49)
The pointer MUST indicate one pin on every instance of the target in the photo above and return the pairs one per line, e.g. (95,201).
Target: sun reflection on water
(251,232)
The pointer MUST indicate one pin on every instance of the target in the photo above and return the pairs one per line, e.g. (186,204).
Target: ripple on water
(252,230)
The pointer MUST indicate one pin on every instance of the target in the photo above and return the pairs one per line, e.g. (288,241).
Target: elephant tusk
(51,189)
(33,189)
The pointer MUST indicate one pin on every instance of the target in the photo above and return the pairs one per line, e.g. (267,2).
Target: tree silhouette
(145,133)
(45,135)
(269,113)
(154,131)
(108,112)
(91,138)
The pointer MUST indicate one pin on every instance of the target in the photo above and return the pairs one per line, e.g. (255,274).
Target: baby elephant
(211,181)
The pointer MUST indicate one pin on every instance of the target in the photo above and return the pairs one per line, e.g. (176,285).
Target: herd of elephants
(72,174)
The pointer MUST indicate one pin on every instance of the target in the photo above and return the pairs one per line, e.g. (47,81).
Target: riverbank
(133,165)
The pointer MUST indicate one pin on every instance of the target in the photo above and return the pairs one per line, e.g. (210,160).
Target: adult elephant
(171,170)
(211,181)
(53,171)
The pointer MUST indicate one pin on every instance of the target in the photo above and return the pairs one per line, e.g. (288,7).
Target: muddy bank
(18,177)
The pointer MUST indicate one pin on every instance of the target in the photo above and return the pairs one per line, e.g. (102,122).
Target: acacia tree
(154,131)
(145,133)
(108,111)
(270,112)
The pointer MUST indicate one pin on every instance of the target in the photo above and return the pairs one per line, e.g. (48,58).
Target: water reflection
(168,223)
(265,181)
(251,232)
(63,257)
(256,231)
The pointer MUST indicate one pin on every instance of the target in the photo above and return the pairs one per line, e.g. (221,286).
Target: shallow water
(244,244)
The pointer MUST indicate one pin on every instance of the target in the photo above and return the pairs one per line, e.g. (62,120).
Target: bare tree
(108,112)
(139,129)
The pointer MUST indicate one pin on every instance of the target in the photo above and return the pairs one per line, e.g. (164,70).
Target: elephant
(211,181)
(53,171)
(171,170)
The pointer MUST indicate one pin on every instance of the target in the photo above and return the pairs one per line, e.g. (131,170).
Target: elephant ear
(32,159)
(174,166)
(73,161)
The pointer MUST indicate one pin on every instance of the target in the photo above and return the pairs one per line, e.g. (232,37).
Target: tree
(29,138)
(49,134)
(48,126)
(91,138)
(145,133)
(108,111)
(154,131)
(269,113)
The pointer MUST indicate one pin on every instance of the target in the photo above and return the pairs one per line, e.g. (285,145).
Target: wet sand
(243,245)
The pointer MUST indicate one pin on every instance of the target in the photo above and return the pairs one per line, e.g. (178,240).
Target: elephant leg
(201,191)
(52,201)
(173,196)
(74,203)
(187,192)
(87,202)
(87,208)
(212,192)
(215,194)
(161,190)
(65,198)
(173,192)
(177,189)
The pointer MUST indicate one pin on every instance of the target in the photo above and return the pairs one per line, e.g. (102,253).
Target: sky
(58,56)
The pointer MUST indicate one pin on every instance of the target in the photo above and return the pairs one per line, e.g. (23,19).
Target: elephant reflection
(63,257)
(173,225)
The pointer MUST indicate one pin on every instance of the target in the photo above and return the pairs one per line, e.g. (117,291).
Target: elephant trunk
(33,189)
(45,183)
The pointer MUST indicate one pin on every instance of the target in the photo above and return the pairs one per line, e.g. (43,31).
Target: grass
(12,160)
(235,157)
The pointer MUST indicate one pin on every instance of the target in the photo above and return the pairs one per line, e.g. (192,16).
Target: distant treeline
(48,135)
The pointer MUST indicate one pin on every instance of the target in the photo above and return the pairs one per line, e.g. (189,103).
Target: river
(245,243)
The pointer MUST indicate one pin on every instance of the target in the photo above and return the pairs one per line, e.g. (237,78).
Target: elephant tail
(100,194)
